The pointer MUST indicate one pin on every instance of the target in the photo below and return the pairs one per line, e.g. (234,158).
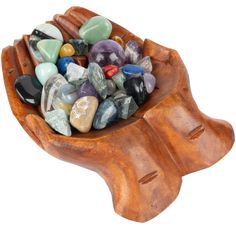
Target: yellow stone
(67,50)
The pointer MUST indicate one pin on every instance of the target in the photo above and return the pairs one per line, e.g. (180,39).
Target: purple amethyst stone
(107,52)
(87,89)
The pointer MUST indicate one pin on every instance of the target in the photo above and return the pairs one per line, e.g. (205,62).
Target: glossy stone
(111,87)
(149,82)
(43,31)
(97,79)
(110,70)
(44,71)
(81,60)
(49,49)
(57,103)
(133,52)
(83,112)
(62,64)
(87,89)
(106,115)
(76,74)
(146,64)
(135,87)
(119,80)
(126,106)
(119,40)
(29,89)
(67,50)
(130,70)
(95,29)
(107,52)
(68,93)
(50,92)
(80,46)
(58,120)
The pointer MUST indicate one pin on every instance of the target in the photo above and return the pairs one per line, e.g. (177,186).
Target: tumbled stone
(96,77)
(130,70)
(76,74)
(57,103)
(111,87)
(106,115)
(29,89)
(83,112)
(119,40)
(95,29)
(43,31)
(133,52)
(44,71)
(110,70)
(146,64)
(107,52)
(80,46)
(62,64)
(135,87)
(126,106)
(49,49)
(58,120)
(87,89)
(119,80)
(67,50)
(119,93)
(81,60)
(68,93)
(149,82)
(50,92)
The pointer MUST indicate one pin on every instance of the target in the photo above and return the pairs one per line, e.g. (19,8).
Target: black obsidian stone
(29,89)
(135,87)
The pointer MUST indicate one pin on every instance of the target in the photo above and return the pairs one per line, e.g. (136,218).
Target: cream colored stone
(82,113)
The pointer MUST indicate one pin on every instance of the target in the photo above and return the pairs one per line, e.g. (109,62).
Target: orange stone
(119,40)
(67,50)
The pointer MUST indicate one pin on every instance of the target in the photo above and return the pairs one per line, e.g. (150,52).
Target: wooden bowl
(143,158)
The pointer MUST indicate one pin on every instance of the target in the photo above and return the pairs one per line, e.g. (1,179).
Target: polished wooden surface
(143,158)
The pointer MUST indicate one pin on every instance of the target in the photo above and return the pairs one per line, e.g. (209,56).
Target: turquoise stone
(130,70)
(119,80)
(95,29)
(58,120)
(126,106)
(97,78)
(44,71)
(50,92)
(106,115)
(49,49)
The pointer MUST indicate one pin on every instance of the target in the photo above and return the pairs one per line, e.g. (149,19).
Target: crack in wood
(149,177)
(195,133)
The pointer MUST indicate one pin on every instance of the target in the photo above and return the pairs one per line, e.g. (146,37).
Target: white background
(42,196)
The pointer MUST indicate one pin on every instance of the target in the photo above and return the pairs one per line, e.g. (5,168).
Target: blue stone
(62,64)
(106,115)
(130,70)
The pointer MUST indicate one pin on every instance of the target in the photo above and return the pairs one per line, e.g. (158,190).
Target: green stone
(119,80)
(97,78)
(95,29)
(126,106)
(58,120)
(49,49)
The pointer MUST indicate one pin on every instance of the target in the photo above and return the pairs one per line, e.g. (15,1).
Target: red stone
(81,60)
(110,70)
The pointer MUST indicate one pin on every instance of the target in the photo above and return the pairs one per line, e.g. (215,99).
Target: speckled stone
(96,77)
(126,106)
(111,87)
(58,120)
(80,46)
(83,112)
(119,80)
(106,115)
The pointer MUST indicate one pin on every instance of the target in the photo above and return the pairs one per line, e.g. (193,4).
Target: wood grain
(143,158)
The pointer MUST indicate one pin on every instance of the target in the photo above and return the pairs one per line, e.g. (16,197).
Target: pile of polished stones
(93,81)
